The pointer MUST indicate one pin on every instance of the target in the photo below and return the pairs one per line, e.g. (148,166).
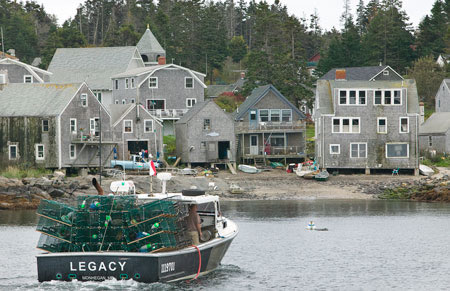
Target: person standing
(194,225)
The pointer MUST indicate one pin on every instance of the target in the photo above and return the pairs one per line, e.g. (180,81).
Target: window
(430,141)
(352,97)
(275,115)
(153,82)
(382,125)
(99,96)
(397,150)
(116,102)
(206,124)
(385,73)
(45,125)
(94,126)
(203,146)
(133,100)
(277,140)
(387,97)
(128,126)
(124,101)
(404,125)
(72,151)
(190,102)
(335,149)
(132,83)
(188,83)
(358,150)
(39,149)
(345,125)
(439,103)
(73,125)
(2,79)
(153,104)
(83,100)
(253,115)
(116,84)
(127,83)
(12,152)
(148,125)
(264,115)
(286,115)
(28,79)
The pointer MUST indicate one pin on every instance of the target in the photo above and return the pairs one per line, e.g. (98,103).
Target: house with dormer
(269,127)
(366,118)
(14,71)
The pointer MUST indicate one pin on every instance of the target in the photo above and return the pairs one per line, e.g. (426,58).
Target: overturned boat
(141,237)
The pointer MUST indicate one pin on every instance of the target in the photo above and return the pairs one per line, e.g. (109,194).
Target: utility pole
(100,168)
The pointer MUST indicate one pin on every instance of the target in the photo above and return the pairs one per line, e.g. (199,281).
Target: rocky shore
(274,185)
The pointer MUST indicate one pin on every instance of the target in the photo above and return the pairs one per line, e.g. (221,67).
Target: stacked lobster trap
(112,223)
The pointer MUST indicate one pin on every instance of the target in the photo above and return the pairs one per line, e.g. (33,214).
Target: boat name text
(93,266)
(167,267)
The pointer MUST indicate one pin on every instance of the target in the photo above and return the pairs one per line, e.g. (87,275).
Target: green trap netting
(111,223)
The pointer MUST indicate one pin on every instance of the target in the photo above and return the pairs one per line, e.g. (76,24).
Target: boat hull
(141,267)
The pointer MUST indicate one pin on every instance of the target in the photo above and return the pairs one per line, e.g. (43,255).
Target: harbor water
(369,245)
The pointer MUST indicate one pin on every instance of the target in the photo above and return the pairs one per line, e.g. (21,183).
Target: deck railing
(274,151)
(270,126)
(168,113)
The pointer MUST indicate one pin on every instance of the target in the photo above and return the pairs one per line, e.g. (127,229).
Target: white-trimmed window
(386,73)
(116,102)
(128,126)
(124,101)
(13,152)
(2,79)
(73,125)
(190,102)
(39,152)
(286,115)
(99,96)
(397,150)
(28,79)
(133,100)
(264,115)
(203,146)
(346,125)
(83,100)
(206,124)
(404,125)
(153,82)
(127,83)
(45,125)
(72,151)
(148,125)
(352,97)
(94,126)
(275,115)
(116,84)
(358,150)
(132,83)
(381,125)
(387,97)
(188,82)
(335,149)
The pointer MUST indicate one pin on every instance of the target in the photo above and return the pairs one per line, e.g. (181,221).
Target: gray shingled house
(442,100)
(150,49)
(167,91)
(366,118)
(52,126)
(135,129)
(434,134)
(14,71)
(95,66)
(269,127)
(205,134)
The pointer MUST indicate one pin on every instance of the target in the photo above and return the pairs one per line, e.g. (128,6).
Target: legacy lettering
(93,266)
(167,267)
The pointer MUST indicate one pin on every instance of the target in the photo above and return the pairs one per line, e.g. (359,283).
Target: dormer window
(386,73)
(28,79)
(352,97)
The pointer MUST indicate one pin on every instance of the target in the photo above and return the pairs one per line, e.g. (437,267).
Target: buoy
(311,225)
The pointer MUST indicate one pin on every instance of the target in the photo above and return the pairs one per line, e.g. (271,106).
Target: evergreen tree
(432,30)
(238,48)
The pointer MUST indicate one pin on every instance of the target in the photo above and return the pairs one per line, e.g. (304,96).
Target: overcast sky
(329,10)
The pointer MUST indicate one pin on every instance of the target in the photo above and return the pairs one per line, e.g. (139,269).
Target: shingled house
(434,134)
(442,100)
(269,127)
(15,71)
(206,135)
(52,126)
(366,118)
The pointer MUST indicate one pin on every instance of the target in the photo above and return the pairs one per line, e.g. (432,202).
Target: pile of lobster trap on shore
(112,223)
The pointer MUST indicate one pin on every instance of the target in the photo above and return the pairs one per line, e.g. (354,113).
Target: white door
(94,129)
(253,144)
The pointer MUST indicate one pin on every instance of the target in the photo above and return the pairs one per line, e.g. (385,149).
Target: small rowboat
(322,176)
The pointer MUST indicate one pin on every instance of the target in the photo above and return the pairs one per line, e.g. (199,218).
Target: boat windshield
(206,208)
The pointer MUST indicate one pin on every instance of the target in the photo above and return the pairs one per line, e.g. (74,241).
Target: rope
(199,263)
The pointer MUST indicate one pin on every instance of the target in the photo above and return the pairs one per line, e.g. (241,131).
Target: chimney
(161,60)
(341,74)
(421,113)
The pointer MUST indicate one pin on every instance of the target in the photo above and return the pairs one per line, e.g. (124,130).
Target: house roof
(199,106)
(356,73)
(324,92)
(437,123)
(29,68)
(149,44)
(19,99)
(95,66)
(257,94)
(119,111)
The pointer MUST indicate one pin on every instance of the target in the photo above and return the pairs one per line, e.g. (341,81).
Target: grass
(171,147)
(441,162)
(19,173)
(310,142)
(310,131)
(396,194)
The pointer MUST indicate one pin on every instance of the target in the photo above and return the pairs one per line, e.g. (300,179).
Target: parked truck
(135,163)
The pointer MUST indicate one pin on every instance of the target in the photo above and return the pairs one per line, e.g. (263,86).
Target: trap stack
(112,223)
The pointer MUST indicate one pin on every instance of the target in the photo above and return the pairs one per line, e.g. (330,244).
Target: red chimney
(161,60)
(341,74)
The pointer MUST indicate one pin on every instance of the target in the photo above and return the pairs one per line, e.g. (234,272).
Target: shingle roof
(355,73)
(137,71)
(149,44)
(259,93)
(95,66)
(19,99)
(437,123)
(117,110)
(193,111)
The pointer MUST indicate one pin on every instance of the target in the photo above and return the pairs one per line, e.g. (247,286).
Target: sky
(329,10)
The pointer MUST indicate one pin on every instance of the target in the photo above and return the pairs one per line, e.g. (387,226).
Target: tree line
(272,45)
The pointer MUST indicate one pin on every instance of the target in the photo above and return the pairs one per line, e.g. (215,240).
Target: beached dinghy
(425,170)
(322,176)
(249,169)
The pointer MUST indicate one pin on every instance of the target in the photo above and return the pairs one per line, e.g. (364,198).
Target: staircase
(260,162)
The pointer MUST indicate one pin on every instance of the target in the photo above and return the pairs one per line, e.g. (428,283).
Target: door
(224,146)
(253,144)
(253,119)
(94,128)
